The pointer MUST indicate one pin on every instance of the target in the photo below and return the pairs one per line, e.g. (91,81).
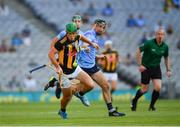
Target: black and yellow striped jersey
(67,53)
(109,64)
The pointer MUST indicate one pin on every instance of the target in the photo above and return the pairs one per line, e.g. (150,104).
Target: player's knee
(74,89)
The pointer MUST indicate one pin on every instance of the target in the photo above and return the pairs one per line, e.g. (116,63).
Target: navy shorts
(92,70)
(150,73)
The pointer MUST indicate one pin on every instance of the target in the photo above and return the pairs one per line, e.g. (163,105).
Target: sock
(110,107)
(155,96)
(81,93)
(138,95)
(56,83)
(63,110)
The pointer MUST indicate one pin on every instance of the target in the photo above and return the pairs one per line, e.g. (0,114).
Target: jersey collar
(157,43)
(94,33)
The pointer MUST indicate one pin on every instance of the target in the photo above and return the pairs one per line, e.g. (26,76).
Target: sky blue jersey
(87,59)
(61,34)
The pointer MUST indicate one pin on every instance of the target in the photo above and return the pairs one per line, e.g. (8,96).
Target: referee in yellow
(149,66)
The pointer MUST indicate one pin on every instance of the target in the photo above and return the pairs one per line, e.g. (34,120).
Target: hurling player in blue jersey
(86,60)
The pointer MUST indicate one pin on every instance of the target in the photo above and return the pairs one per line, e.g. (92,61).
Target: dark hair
(100,21)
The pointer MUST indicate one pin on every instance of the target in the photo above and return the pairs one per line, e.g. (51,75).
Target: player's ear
(94,25)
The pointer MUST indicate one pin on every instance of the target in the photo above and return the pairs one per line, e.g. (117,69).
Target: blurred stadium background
(27,27)
(26,30)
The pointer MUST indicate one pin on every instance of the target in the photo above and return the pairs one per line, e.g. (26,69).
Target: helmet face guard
(100,22)
(76,17)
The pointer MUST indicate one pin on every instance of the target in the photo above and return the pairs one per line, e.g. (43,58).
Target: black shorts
(150,73)
(92,70)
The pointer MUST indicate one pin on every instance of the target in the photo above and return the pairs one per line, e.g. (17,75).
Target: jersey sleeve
(166,54)
(58,46)
(61,35)
(144,46)
(88,35)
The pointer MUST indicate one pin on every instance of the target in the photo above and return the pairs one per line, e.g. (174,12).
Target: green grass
(46,114)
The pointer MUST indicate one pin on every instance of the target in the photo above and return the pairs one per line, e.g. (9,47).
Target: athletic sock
(56,83)
(155,96)
(138,95)
(63,110)
(110,107)
(81,93)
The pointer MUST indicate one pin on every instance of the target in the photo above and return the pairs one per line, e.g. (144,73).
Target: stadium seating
(59,12)
(17,63)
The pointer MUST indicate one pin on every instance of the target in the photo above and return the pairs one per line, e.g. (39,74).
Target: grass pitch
(20,114)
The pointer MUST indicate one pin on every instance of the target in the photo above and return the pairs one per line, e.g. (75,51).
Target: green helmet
(76,17)
(71,27)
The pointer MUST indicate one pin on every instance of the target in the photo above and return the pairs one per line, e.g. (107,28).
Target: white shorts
(111,76)
(66,82)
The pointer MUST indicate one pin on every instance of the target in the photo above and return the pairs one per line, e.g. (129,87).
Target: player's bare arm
(84,39)
(54,40)
(168,66)
(51,55)
(139,59)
